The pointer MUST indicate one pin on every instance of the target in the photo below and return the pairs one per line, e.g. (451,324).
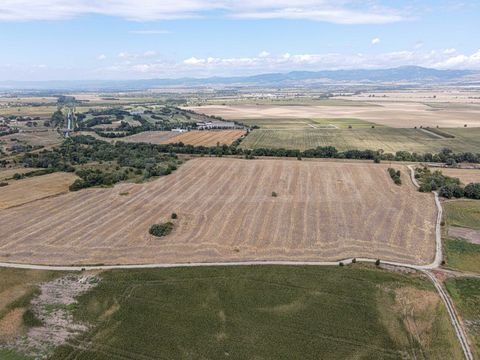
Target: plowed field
(323,211)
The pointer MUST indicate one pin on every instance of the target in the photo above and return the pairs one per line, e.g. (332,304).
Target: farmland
(466,176)
(193,137)
(323,211)
(392,114)
(264,312)
(17,288)
(207,138)
(23,191)
(388,139)
(463,213)
(462,255)
(465,292)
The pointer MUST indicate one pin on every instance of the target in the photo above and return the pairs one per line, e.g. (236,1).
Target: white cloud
(450,51)
(376,41)
(193,61)
(150,32)
(102,57)
(342,12)
(264,54)
(130,56)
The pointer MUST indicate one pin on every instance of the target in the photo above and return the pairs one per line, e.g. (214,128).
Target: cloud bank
(339,12)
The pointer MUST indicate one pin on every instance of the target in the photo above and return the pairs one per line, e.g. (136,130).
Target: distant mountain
(414,75)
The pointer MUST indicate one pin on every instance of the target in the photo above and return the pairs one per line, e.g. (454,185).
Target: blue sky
(125,39)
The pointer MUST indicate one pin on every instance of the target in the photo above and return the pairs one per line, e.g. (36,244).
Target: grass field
(462,255)
(262,313)
(465,293)
(323,210)
(19,192)
(463,213)
(388,139)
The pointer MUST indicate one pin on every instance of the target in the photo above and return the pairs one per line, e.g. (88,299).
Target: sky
(142,39)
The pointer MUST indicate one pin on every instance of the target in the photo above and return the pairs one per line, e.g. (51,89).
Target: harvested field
(23,191)
(208,138)
(152,137)
(466,176)
(388,139)
(226,211)
(392,114)
(8,173)
(35,138)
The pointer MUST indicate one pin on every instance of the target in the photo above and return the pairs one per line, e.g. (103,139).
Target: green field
(366,138)
(463,213)
(462,255)
(262,312)
(465,293)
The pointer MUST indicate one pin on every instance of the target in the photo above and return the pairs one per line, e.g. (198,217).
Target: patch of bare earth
(470,235)
(53,308)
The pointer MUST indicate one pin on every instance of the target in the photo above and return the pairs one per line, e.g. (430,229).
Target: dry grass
(208,138)
(30,189)
(323,211)
(466,176)
(392,114)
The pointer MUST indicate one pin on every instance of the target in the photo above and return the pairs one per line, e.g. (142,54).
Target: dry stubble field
(194,137)
(226,212)
(19,192)
(466,176)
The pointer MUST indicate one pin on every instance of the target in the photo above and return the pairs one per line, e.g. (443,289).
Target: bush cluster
(447,187)
(395,175)
(160,230)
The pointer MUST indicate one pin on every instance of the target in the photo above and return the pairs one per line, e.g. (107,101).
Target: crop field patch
(19,192)
(387,139)
(466,176)
(262,312)
(392,114)
(226,212)
(207,138)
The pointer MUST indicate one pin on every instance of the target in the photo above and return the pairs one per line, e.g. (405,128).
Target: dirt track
(324,211)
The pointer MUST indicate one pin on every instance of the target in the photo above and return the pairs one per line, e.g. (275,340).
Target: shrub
(472,191)
(395,175)
(377,262)
(354,260)
(160,230)
(30,320)
(3,183)
(174,216)
(274,194)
